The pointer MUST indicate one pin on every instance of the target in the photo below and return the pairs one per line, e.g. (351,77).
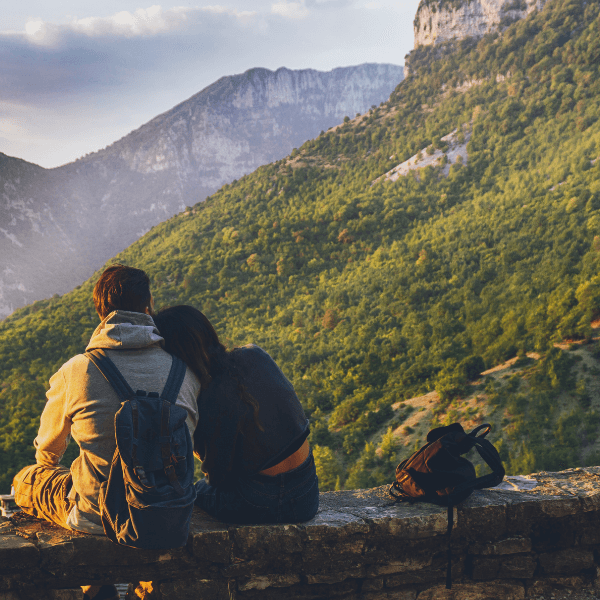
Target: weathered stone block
(503,567)
(336,576)
(512,545)
(522,511)
(194,590)
(560,507)
(589,529)
(265,581)
(317,558)
(382,550)
(553,584)
(73,594)
(389,595)
(98,550)
(566,562)
(401,566)
(265,565)
(489,590)
(421,521)
(18,552)
(552,534)
(330,525)
(55,549)
(347,590)
(212,546)
(590,499)
(482,516)
(372,584)
(517,567)
(429,575)
(334,540)
(485,568)
(268,539)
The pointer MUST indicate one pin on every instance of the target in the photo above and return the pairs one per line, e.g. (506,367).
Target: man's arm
(55,424)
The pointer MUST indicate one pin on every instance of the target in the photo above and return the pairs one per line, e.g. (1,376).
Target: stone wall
(520,540)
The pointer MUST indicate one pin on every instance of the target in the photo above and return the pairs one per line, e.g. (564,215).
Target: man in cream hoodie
(82,404)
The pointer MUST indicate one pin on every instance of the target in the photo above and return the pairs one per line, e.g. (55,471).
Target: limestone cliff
(442,20)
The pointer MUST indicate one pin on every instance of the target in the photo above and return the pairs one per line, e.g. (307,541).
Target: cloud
(290,10)
(91,80)
(49,62)
(328,3)
(149,21)
(143,22)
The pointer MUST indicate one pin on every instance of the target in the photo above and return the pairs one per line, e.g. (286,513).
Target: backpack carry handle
(479,428)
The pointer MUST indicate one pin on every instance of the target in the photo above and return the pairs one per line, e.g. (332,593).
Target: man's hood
(123,329)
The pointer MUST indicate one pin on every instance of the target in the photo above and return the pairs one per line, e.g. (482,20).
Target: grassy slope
(368,295)
(551,430)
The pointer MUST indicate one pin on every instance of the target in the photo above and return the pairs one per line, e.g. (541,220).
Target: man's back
(81,402)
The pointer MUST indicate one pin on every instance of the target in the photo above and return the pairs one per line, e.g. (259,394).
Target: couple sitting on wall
(246,422)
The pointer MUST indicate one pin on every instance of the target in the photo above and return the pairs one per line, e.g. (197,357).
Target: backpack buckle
(141,475)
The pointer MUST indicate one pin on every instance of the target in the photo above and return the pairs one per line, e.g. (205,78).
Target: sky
(76,75)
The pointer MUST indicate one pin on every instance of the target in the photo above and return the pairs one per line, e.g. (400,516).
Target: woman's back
(227,436)
(252,431)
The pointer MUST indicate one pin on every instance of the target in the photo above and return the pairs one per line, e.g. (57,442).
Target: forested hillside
(370,294)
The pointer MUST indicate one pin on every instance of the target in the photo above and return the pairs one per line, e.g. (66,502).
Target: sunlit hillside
(369,292)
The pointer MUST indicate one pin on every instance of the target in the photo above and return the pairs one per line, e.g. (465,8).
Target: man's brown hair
(122,288)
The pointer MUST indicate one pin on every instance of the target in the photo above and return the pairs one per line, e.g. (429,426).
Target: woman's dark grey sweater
(227,438)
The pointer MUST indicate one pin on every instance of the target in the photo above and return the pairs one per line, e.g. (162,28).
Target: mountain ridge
(94,207)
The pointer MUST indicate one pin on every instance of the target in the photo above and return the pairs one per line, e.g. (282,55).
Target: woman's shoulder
(249,350)
(254,357)
(251,354)
(256,362)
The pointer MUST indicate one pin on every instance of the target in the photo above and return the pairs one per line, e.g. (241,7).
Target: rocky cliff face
(58,225)
(442,20)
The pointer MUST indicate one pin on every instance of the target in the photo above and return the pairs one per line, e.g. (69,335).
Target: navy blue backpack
(148,499)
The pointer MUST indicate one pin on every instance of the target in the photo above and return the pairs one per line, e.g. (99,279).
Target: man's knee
(35,481)
(23,484)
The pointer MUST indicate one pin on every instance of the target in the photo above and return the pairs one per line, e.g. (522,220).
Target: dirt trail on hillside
(422,405)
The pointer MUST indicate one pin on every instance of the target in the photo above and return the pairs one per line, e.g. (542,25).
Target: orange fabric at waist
(289,463)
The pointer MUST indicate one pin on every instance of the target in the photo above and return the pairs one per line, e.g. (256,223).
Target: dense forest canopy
(368,294)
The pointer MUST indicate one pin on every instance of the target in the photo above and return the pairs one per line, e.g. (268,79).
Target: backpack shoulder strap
(174,381)
(169,396)
(490,455)
(110,372)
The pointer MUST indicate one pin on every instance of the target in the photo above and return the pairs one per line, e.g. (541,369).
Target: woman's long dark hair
(190,336)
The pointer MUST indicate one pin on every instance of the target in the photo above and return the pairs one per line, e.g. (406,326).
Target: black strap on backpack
(439,474)
(125,392)
(115,378)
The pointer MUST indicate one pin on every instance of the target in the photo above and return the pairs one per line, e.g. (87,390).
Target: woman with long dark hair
(252,431)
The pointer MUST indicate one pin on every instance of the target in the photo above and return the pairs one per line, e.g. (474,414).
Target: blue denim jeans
(290,497)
